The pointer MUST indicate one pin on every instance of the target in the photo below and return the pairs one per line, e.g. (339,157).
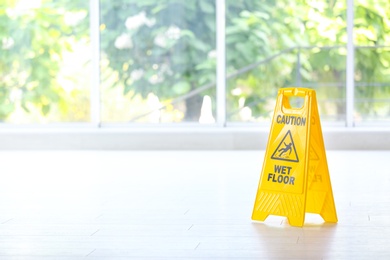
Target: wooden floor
(167,205)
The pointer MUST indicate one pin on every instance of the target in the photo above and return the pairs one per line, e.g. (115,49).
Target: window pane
(372,84)
(324,69)
(157,54)
(44,61)
(284,44)
(372,66)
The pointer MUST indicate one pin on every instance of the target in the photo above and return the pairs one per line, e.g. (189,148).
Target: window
(275,44)
(44,61)
(372,66)
(157,61)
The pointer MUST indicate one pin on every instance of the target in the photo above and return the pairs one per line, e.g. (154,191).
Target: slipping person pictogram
(286,150)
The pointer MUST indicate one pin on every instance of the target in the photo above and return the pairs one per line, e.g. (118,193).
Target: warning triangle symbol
(286,149)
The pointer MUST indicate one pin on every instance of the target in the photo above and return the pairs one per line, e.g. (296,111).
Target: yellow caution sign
(295,176)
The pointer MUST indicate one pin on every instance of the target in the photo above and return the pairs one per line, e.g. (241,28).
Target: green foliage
(167,47)
(259,29)
(166,42)
(372,27)
(159,46)
(33,41)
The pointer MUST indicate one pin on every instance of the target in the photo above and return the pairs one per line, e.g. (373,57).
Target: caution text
(291,120)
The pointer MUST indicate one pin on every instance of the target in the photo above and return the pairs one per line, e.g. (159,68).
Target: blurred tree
(160,46)
(372,66)
(33,38)
(258,30)
(167,47)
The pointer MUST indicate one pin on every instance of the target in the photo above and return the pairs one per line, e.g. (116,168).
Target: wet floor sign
(295,177)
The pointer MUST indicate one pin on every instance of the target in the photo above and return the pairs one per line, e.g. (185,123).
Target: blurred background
(219,63)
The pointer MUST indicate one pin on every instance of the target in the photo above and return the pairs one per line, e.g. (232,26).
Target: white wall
(254,138)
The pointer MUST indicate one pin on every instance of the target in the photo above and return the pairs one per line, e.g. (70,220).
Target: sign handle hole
(296,102)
